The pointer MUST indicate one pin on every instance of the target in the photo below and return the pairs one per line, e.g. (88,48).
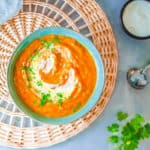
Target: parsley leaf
(113,139)
(29,79)
(147,128)
(45,98)
(137,121)
(121,116)
(59,95)
(50,44)
(30,70)
(36,55)
(113,128)
(145,131)
(60,102)
(39,83)
(77,107)
(74,109)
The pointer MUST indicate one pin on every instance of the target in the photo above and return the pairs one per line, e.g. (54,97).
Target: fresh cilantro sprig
(127,134)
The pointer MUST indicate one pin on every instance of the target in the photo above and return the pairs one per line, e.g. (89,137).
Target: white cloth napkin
(8,9)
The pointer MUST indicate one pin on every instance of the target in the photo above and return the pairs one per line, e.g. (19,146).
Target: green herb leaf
(45,98)
(59,95)
(74,109)
(37,91)
(60,102)
(29,79)
(122,116)
(39,83)
(147,128)
(113,139)
(77,107)
(30,70)
(137,121)
(52,49)
(113,128)
(120,147)
(144,132)
(36,55)
(131,145)
(49,44)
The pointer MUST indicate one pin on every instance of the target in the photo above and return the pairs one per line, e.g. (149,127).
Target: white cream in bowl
(136,18)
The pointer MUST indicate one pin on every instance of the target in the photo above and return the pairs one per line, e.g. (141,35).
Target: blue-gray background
(132,52)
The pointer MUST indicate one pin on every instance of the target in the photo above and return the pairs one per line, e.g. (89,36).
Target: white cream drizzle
(46,65)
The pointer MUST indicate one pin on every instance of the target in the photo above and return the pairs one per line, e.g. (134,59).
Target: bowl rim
(122,23)
(93,99)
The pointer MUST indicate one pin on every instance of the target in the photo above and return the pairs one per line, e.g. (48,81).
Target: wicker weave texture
(84,16)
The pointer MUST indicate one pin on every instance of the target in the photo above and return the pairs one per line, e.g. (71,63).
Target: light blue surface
(92,50)
(131,53)
(9,8)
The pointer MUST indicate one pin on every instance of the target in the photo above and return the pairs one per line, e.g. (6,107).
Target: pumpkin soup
(55,76)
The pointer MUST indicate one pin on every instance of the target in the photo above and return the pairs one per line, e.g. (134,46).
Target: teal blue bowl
(92,50)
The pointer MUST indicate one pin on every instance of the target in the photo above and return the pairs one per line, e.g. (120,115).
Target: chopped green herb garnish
(37,91)
(128,134)
(39,83)
(59,95)
(77,107)
(74,110)
(30,70)
(29,79)
(45,98)
(60,102)
(36,55)
(52,49)
(50,44)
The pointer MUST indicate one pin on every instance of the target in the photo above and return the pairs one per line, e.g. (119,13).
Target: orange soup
(55,76)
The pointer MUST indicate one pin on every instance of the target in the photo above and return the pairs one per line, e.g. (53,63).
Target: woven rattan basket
(85,16)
